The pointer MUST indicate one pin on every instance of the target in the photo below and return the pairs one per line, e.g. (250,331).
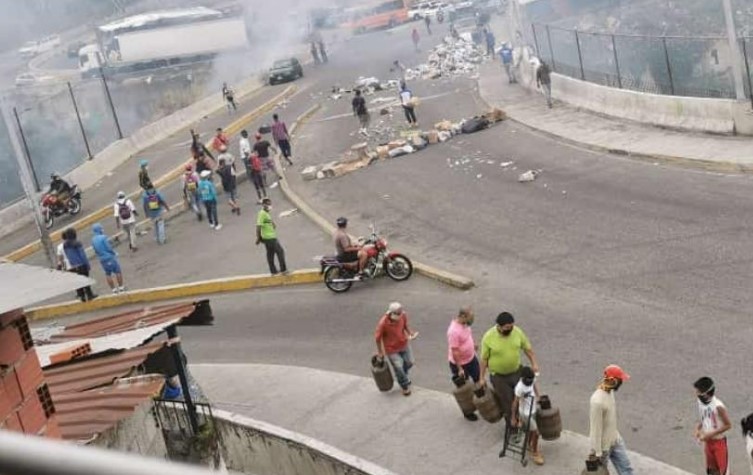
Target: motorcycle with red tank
(55,205)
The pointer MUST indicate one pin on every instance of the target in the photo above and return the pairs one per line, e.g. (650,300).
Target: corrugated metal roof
(98,371)
(83,415)
(25,285)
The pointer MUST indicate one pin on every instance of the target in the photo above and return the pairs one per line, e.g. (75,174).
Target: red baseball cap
(614,371)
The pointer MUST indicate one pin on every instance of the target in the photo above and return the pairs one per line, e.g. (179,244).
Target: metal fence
(677,66)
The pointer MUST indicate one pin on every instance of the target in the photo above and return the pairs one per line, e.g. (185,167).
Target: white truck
(170,38)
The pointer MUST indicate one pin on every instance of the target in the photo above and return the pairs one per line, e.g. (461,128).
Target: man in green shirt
(266,232)
(500,354)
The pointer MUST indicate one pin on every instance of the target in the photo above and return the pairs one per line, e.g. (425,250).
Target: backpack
(191,184)
(152,202)
(256,164)
(124,211)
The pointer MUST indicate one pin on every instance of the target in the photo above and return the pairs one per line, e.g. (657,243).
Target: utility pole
(734,48)
(26,181)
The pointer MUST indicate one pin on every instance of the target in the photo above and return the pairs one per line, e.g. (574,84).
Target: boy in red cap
(606,442)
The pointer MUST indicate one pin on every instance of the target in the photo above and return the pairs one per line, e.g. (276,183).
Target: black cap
(505,318)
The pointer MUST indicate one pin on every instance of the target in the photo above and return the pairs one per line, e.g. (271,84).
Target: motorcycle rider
(60,188)
(347,251)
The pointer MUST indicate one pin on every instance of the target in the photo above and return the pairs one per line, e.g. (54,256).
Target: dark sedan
(285,70)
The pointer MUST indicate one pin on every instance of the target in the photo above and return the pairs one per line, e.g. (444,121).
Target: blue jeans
(193,202)
(159,229)
(211,207)
(619,457)
(402,362)
(472,370)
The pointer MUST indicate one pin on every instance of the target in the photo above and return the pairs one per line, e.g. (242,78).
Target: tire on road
(332,273)
(398,268)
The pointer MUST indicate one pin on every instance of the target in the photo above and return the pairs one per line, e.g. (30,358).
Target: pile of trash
(452,58)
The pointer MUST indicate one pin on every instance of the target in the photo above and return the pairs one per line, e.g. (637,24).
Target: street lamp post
(27,182)
(734,47)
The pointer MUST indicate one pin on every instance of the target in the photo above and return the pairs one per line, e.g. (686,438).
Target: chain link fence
(670,65)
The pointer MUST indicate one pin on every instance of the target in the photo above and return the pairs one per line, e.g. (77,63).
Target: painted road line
(179,291)
(170,176)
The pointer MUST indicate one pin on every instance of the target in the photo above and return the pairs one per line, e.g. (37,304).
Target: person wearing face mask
(462,350)
(714,422)
(266,232)
(606,442)
(500,355)
(393,336)
(524,411)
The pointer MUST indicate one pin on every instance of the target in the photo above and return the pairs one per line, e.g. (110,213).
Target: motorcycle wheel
(74,206)
(333,273)
(398,268)
(49,219)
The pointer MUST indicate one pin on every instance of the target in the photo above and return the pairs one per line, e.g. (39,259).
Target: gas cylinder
(548,419)
(463,393)
(380,370)
(486,402)
(594,467)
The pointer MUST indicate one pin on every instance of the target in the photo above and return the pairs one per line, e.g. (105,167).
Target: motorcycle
(339,277)
(54,207)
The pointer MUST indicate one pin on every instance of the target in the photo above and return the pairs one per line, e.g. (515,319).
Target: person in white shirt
(747,426)
(63,263)
(406,99)
(245,152)
(125,217)
(713,424)
(524,411)
(606,442)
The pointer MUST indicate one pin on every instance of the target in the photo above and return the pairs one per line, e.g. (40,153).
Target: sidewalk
(423,434)
(611,135)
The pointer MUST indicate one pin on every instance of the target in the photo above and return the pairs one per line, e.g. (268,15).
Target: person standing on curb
(227,176)
(406,99)
(747,427)
(606,442)
(125,218)
(266,232)
(282,138)
(544,81)
(144,182)
(108,258)
(257,176)
(714,422)
(208,196)
(262,147)
(500,355)
(462,350)
(362,112)
(506,54)
(154,204)
(315,53)
(393,338)
(229,95)
(191,191)
(78,262)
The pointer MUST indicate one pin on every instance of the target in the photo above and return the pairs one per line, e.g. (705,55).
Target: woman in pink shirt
(462,350)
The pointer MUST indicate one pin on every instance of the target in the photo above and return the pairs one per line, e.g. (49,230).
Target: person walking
(506,54)
(262,148)
(244,147)
(393,337)
(315,53)
(500,356)
(257,176)
(266,232)
(747,427)
(220,141)
(208,196)
(713,423)
(125,218)
(76,256)
(323,52)
(229,95)
(227,176)
(362,112)
(409,107)
(200,153)
(108,258)
(144,182)
(416,39)
(427,22)
(190,182)
(606,442)
(462,350)
(281,137)
(490,42)
(544,81)
(154,205)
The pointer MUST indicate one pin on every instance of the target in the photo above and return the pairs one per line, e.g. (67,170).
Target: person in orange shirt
(220,141)
(393,338)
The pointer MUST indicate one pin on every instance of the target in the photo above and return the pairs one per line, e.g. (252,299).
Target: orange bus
(380,14)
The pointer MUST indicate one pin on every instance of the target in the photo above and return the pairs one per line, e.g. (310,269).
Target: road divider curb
(445,277)
(165,179)
(178,291)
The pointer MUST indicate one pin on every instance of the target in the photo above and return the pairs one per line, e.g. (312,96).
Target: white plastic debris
(528,176)
(288,213)
(505,164)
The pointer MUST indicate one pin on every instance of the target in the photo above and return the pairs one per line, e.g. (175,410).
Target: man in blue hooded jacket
(108,258)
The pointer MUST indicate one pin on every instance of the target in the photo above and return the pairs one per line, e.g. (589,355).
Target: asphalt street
(602,259)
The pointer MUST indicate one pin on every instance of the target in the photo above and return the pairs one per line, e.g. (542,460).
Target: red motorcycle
(54,207)
(340,276)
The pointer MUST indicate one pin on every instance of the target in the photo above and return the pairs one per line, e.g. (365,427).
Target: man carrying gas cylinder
(500,356)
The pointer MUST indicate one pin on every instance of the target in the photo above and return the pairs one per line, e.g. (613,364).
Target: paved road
(602,259)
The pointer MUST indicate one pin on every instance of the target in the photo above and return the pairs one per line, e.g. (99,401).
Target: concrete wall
(252,446)
(138,433)
(719,116)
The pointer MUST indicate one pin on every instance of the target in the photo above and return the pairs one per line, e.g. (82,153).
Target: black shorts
(348,257)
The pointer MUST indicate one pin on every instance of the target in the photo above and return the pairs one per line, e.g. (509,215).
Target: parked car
(285,70)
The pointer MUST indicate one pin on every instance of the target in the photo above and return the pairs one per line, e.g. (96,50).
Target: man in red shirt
(220,141)
(393,338)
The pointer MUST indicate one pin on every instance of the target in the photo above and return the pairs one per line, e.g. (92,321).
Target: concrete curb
(165,179)
(445,277)
(178,291)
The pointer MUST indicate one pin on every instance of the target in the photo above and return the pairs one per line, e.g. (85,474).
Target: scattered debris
(288,213)
(528,176)
(506,164)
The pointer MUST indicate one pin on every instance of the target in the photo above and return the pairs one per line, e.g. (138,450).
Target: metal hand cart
(517,438)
